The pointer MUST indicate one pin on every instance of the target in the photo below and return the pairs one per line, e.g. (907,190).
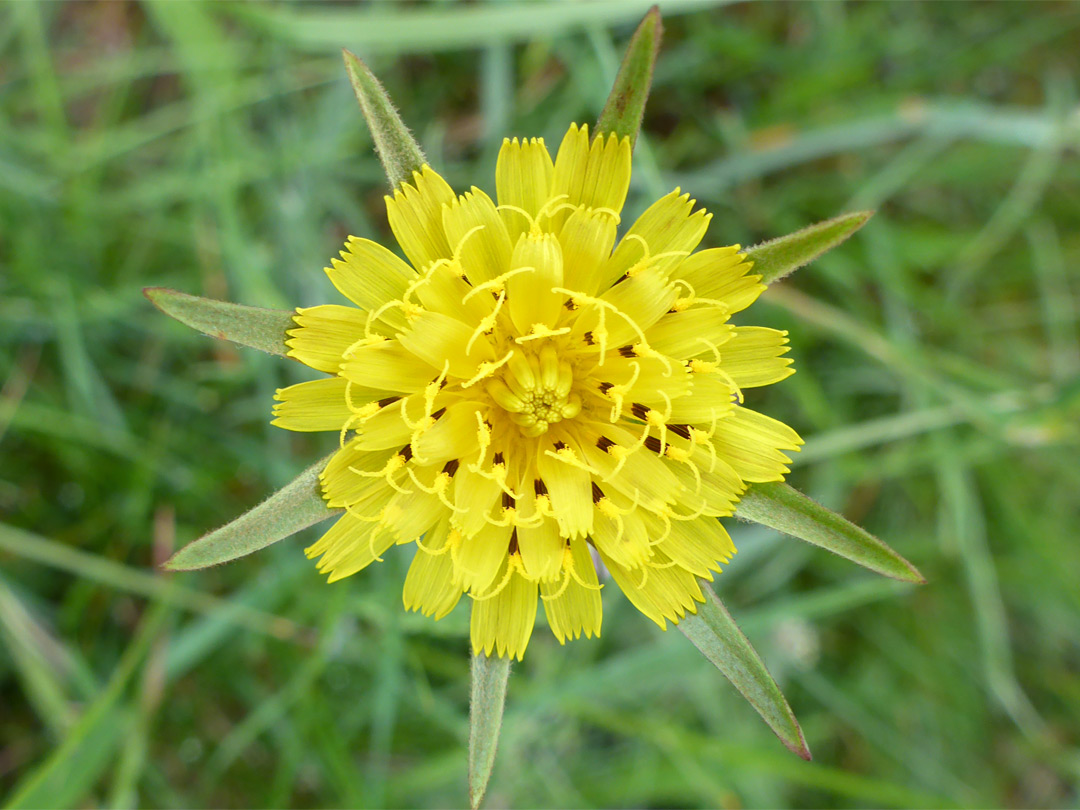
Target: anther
(680,430)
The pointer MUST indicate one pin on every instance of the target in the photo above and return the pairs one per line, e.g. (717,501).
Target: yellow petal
(586,237)
(349,546)
(316,405)
(323,334)
(688,333)
(699,545)
(475,496)
(577,609)
(480,557)
(752,443)
(595,175)
(638,474)
(504,622)
(415,215)
(429,585)
(570,491)
(387,366)
(642,379)
(722,274)
(388,429)
(753,356)
(436,338)
(715,489)
(529,292)
(445,290)
(343,483)
(453,436)
(658,590)
(523,180)
(412,512)
(710,399)
(477,236)
(541,546)
(369,275)
(667,226)
(623,537)
(642,299)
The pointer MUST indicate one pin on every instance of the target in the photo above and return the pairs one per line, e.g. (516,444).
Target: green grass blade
(398,150)
(714,632)
(780,257)
(112,574)
(262,329)
(38,659)
(72,769)
(626,104)
(787,510)
(489,676)
(295,506)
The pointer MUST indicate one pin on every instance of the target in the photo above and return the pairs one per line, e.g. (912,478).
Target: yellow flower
(528,392)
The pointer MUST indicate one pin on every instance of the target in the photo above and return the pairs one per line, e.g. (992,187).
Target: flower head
(532,389)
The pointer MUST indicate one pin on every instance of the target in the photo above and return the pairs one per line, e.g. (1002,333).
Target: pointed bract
(787,510)
(780,257)
(625,106)
(397,149)
(255,327)
(296,506)
(489,677)
(715,633)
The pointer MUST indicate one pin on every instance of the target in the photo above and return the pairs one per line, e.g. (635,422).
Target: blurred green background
(217,149)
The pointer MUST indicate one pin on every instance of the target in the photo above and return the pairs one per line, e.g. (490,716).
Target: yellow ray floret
(528,397)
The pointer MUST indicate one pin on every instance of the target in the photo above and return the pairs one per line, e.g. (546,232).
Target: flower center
(536,390)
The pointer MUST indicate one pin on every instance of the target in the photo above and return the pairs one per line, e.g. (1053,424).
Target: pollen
(528,393)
